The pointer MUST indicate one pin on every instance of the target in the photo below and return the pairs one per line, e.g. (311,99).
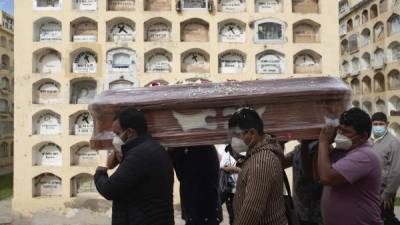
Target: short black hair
(379,116)
(132,118)
(358,119)
(245,119)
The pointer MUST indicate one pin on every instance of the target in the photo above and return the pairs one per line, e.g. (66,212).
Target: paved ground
(46,219)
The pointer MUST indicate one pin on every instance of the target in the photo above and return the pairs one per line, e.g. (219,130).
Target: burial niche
(46,92)
(47,185)
(195,61)
(231,6)
(194,30)
(231,31)
(268,6)
(121,65)
(47,61)
(270,62)
(307,61)
(158,61)
(157,5)
(46,123)
(231,62)
(85,5)
(121,30)
(82,184)
(47,154)
(84,30)
(121,5)
(82,91)
(157,30)
(84,61)
(83,155)
(47,29)
(306,31)
(81,123)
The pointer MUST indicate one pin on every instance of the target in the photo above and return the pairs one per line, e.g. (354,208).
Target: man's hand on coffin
(231,169)
(327,134)
(112,160)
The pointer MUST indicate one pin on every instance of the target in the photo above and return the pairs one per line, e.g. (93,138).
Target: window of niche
(121,30)
(47,61)
(195,61)
(379,58)
(194,4)
(82,184)
(5,86)
(157,5)
(365,37)
(379,31)
(307,61)
(46,91)
(394,24)
(305,6)
(83,30)
(380,106)
(82,155)
(47,4)
(82,90)
(268,6)
(47,185)
(364,17)
(81,123)
(355,86)
(365,61)
(394,106)
(367,106)
(353,43)
(394,51)
(121,5)
(270,62)
(374,12)
(121,66)
(47,30)
(232,6)
(85,5)
(270,31)
(395,129)
(231,62)
(350,25)
(345,68)
(394,80)
(344,46)
(366,85)
(306,31)
(379,83)
(47,154)
(355,66)
(46,122)
(4,150)
(5,62)
(357,21)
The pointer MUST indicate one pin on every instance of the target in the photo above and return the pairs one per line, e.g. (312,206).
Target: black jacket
(142,187)
(197,169)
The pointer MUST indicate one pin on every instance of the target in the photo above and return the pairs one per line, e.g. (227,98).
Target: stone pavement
(5,211)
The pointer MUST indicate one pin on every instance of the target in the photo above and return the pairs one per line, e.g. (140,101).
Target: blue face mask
(379,131)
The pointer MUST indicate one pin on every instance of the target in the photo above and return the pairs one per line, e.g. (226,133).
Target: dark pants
(307,223)
(388,216)
(227,198)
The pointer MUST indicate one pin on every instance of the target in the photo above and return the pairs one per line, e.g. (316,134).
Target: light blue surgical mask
(378,131)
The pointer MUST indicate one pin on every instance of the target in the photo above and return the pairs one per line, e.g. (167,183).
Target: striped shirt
(259,194)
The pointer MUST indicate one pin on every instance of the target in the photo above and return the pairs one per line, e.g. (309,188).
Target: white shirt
(227,160)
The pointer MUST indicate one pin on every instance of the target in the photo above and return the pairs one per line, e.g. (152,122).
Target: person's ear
(131,133)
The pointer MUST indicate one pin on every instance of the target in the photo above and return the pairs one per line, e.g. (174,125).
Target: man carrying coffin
(141,188)
(259,192)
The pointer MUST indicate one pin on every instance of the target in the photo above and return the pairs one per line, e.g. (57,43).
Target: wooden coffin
(197,114)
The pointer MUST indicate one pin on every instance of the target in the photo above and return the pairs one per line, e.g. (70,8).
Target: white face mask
(118,142)
(238,145)
(342,142)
